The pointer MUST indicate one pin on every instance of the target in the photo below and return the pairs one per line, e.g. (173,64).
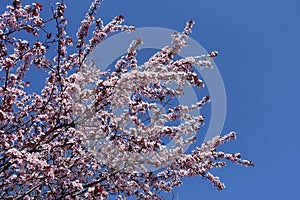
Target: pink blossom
(67,142)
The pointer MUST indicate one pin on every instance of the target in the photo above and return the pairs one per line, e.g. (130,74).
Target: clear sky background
(259,44)
(259,47)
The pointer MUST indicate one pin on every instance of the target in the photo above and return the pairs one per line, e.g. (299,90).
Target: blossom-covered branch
(91,134)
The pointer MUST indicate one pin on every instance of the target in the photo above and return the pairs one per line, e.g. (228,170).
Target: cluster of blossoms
(70,141)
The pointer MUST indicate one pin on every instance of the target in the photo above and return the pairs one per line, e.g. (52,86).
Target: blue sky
(259,43)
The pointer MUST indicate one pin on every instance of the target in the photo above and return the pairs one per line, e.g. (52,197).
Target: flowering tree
(67,141)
